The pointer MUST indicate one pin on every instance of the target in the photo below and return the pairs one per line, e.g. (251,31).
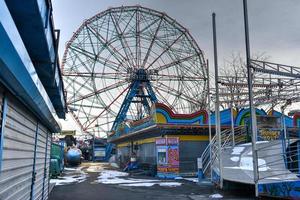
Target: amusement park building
(31,97)
(141,138)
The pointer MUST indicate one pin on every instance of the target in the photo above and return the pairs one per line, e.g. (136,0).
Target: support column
(283,128)
(250,93)
(232,126)
(208,118)
(217,104)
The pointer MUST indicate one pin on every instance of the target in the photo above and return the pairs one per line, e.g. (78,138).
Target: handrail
(226,140)
(274,162)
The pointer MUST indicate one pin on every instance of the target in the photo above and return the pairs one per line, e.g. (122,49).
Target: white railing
(227,139)
(281,158)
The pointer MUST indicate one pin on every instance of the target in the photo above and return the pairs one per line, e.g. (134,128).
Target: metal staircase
(229,138)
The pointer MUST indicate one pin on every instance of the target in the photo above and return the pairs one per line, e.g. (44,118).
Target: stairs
(228,139)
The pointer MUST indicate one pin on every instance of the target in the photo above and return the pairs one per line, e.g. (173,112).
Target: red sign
(160,141)
(172,141)
(173,156)
(167,156)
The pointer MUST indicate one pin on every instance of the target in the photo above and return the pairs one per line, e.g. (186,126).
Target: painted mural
(163,114)
(296,119)
(167,157)
(288,120)
(285,189)
(244,114)
(225,117)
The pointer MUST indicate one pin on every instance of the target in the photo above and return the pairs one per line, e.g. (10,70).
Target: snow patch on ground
(69,179)
(116,177)
(163,184)
(94,169)
(215,196)
(73,169)
(120,178)
(70,169)
(170,184)
(235,159)
(195,180)
(115,165)
(237,150)
(105,174)
(138,184)
(71,176)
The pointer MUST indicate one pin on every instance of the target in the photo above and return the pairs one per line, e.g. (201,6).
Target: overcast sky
(274,24)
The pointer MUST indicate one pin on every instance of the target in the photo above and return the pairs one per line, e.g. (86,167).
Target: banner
(167,157)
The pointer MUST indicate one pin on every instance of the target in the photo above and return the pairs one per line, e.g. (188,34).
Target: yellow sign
(68,132)
(267,134)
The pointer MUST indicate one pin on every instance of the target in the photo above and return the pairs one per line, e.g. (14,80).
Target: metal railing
(229,138)
(279,159)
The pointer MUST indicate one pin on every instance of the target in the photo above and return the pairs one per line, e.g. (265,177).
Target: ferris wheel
(121,61)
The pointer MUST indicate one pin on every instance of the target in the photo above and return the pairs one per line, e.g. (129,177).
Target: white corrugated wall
(40,162)
(18,152)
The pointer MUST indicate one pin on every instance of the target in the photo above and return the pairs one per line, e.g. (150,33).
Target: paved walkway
(97,181)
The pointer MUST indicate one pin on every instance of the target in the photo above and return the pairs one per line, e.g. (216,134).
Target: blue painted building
(31,97)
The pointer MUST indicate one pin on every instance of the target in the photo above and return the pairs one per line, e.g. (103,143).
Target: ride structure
(123,60)
(270,162)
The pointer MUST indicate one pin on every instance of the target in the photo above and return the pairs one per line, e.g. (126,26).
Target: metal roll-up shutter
(18,152)
(40,162)
(47,171)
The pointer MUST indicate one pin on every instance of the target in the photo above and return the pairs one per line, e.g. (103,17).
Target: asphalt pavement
(83,183)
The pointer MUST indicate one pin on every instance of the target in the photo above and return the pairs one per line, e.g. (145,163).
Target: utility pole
(250,93)
(217,104)
(208,116)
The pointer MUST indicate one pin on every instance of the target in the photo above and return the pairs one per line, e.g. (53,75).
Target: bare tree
(234,71)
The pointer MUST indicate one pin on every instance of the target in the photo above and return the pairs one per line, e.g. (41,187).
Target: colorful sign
(162,114)
(167,157)
(269,134)
(68,132)
(269,127)
(99,152)
(161,141)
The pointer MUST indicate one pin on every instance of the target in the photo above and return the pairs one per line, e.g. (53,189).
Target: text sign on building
(167,157)
(160,141)
(269,127)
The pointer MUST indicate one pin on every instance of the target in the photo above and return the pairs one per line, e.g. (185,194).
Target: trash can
(57,160)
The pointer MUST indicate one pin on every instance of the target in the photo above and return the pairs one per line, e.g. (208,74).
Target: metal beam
(110,87)
(275,68)
(106,108)
(208,117)
(252,107)
(217,104)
